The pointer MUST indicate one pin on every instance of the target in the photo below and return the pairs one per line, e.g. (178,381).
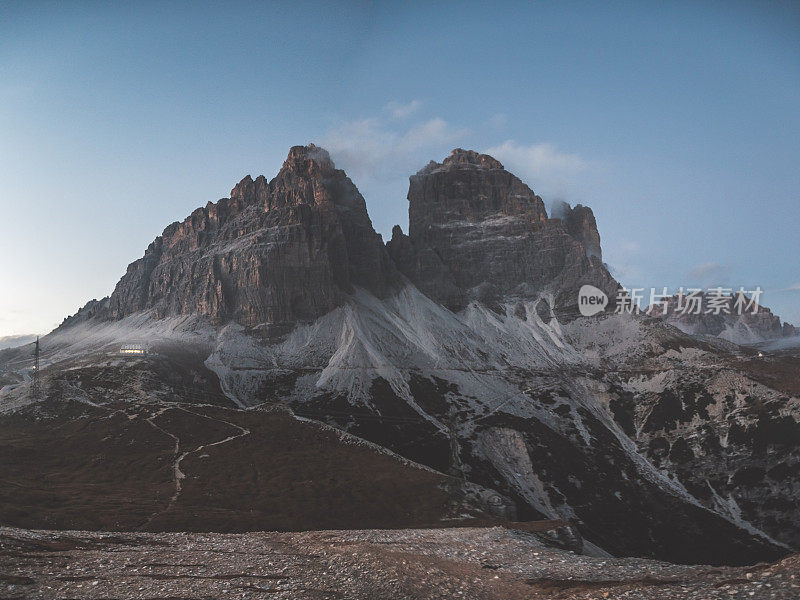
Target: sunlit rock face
(285,250)
(477,232)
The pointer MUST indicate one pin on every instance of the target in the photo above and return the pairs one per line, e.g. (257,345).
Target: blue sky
(677,122)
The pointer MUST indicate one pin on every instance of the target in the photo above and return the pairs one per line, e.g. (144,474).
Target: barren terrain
(489,563)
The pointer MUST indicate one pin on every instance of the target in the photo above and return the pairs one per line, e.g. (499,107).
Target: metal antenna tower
(457,481)
(35,374)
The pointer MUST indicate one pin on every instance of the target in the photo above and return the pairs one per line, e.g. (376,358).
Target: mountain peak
(249,190)
(459,157)
(310,160)
(462,159)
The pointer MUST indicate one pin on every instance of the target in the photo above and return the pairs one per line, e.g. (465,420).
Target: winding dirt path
(178,474)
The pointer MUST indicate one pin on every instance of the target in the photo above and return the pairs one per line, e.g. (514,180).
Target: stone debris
(488,563)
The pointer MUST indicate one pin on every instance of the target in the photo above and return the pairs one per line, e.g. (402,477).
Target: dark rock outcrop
(476,232)
(285,250)
(581,225)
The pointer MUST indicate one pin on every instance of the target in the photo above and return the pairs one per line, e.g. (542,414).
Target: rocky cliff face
(280,251)
(476,232)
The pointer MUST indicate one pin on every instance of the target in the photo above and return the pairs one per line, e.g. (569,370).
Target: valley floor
(475,563)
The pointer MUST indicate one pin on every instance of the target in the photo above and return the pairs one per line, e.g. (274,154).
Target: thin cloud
(435,131)
(795,287)
(398,110)
(374,148)
(380,151)
(537,161)
(709,273)
(626,273)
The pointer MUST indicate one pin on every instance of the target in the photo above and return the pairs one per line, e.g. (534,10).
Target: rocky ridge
(291,249)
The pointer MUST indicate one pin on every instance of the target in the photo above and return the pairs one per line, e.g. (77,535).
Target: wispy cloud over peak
(537,160)
(380,151)
(376,148)
(434,131)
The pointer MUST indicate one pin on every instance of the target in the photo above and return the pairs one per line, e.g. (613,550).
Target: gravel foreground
(473,563)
